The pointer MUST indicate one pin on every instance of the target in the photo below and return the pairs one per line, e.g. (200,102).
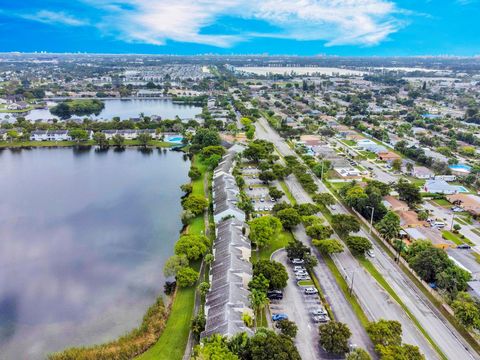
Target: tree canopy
(264,229)
(334,337)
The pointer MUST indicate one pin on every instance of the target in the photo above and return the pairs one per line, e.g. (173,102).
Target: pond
(123,108)
(83,239)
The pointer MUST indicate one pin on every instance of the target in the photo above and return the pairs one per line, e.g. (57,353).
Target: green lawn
(415,181)
(305,283)
(456,238)
(442,202)
(279,242)
(349,142)
(337,185)
(287,192)
(171,344)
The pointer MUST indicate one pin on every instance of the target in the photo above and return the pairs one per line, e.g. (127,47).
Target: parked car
(302,277)
(370,253)
(278,317)
(457,209)
(298,268)
(438,224)
(319,311)
(320,318)
(275,295)
(310,291)
(300,272)
(298,261)
(464,246)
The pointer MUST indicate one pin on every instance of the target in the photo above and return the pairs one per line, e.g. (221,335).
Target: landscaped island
(66,109)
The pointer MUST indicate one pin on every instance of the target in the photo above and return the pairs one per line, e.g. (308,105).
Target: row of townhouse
(54,135)
(231,270)
(132,134)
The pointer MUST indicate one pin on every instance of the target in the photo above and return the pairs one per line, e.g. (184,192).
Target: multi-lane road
(376,302)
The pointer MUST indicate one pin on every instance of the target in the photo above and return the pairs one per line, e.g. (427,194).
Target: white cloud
(338,22)
(50,17)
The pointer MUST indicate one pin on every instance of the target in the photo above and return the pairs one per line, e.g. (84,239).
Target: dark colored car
(275,295)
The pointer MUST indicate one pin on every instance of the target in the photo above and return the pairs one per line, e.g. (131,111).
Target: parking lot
(298,306)
(257,191)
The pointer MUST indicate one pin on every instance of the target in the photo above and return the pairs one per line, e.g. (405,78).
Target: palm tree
(258,301)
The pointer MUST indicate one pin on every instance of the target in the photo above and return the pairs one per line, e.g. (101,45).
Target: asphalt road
(377,302)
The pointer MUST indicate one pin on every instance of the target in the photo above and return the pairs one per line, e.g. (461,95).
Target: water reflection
(83,240)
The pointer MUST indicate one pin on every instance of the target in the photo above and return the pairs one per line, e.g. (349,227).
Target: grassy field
(446,234)
(171,344)
(349,142)
(279,242)
(287,192)
(306,283)
(442,202)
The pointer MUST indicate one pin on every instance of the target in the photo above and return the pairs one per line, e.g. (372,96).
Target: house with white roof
(439,187)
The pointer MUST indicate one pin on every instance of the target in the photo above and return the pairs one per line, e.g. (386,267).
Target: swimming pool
(463,168)
(461,189)
(175,139)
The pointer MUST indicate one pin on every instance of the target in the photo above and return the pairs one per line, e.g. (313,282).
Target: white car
(301,273)
(370,253)
(319,311)
(320,318)
(299,268)
(298,261)
(310,291)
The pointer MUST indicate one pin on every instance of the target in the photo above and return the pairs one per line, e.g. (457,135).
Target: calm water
(83,240)
(125,109)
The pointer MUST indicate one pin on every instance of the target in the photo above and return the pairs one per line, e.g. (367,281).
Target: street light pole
(371,218)
(351,284)
(453,218)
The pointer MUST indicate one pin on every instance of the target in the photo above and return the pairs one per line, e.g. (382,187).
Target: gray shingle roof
(230,272)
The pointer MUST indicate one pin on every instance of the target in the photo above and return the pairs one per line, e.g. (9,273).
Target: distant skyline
(304,27)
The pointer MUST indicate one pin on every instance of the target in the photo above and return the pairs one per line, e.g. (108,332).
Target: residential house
(388,156)
(422,172)
(439,187)
(468,202)
(394,204)
(39,135)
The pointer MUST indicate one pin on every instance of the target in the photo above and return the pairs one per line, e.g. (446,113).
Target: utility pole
(371,218)
(351,284)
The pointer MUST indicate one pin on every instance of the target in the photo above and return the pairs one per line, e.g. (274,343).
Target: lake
(83,239)
(125,109)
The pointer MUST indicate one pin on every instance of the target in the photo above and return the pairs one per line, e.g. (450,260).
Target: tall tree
(334,337)
(389,227)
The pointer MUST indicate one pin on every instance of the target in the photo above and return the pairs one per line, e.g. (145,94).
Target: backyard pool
(461,189)
(174,139)
(461,168)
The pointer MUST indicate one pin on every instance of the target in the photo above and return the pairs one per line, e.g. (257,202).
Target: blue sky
(300,27)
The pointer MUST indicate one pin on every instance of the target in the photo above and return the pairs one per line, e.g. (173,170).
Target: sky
(283,27)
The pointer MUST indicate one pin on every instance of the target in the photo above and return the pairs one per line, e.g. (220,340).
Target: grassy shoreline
(43,144)
(172,342)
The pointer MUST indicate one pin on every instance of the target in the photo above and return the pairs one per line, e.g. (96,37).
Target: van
(438,224)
